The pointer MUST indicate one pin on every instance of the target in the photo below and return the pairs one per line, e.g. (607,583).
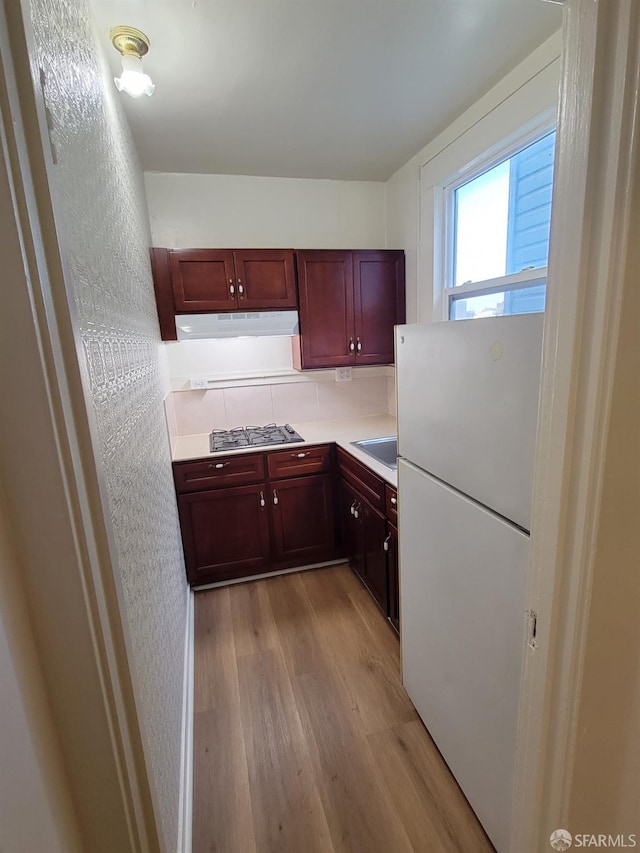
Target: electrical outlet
(199,383)
(343,374)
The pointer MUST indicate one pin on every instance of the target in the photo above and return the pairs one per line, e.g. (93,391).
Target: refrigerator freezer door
(462,578)
(468,403)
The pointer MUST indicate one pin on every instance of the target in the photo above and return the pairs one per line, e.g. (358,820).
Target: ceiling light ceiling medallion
(133,45)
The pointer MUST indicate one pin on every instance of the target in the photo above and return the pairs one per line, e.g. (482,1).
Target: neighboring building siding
(103,223)
(530,188)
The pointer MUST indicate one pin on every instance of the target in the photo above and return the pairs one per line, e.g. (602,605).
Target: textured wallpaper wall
(101,210)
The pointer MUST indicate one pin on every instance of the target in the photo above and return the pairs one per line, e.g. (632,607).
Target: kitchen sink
(385,450)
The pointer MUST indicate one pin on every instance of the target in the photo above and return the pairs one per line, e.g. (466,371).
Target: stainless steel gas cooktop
(252,436)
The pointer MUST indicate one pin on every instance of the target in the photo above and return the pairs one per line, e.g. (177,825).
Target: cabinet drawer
(296,463)
(391,501)
(218,471)
(364,480)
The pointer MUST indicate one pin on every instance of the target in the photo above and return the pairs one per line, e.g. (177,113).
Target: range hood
(193,327)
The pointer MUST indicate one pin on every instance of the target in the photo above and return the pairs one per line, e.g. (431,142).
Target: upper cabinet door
(325,281)
(378,284)
(203,280)
(265,278)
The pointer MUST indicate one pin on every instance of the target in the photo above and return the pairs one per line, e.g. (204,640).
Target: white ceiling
(346,89)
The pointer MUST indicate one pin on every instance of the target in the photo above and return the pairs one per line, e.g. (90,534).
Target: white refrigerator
(467,411)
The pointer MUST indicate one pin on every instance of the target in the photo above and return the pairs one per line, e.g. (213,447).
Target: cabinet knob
(275,498)
(352,346)
(240,288)
(219,465)
(359,345)
(385,544)
(300,455)
(353,508)
(262,502)
(232,289)
(356,512)
(394,501)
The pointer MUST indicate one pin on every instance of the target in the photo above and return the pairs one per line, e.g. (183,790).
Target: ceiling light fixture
(133,45)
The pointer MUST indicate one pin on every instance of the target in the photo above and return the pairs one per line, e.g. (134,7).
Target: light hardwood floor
(305,739)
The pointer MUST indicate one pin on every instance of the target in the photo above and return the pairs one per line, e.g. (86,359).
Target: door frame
(597,167)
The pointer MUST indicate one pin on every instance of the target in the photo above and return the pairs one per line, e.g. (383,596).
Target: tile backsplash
(192,412)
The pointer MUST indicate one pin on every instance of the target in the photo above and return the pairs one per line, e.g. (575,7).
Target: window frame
(505,149)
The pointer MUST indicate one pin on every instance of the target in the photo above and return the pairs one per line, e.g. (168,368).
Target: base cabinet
(225,533)
(247,514)
(369,534)
(394,580)
(303,520)
(268,523)
(351,528)
(375,558)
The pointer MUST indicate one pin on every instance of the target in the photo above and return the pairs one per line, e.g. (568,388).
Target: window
(498,239)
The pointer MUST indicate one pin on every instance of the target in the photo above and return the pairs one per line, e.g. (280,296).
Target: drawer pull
(353,508)
(359,345)
(356,512)
(394,501)
(385,544)
(219,465)
(262,501)
(352,346)
(232,290)
(300,455)
(275,498)
(240,289)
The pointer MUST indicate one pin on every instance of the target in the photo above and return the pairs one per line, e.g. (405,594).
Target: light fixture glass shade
(133,80)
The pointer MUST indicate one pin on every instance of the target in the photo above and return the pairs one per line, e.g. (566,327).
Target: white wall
(239,211)
(236,211)
(411,202)
(102,223)
(36,812)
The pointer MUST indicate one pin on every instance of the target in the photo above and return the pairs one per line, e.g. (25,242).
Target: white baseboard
(186,762)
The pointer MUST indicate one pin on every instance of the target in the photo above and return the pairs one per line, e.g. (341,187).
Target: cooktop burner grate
(252,436)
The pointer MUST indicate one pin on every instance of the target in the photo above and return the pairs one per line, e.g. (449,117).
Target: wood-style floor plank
(426,796)
(221,796)
(360,813)
(214,651)
(360,660)
(287,811)
(305,739)
(253,625)
(298,632)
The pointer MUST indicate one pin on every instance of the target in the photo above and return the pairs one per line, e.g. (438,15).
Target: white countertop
(189,447)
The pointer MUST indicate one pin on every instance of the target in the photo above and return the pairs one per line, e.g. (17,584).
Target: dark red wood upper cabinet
(349,303)
(303,522)
(232,280)
(161,274)
(203,280)
(325,285)
(265,279)
(378,288)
